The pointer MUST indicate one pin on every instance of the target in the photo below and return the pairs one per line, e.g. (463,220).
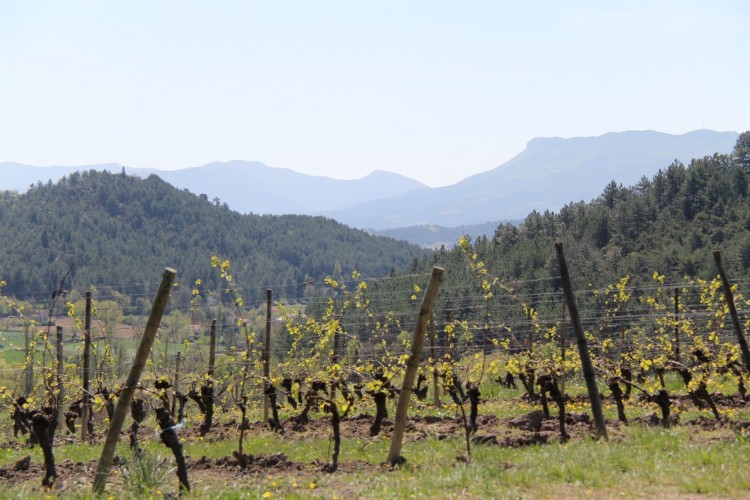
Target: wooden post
(425,311)
(335,357)
(267,355)
(176,384)
(60,387)
(212,351)
(126,394)
(86,403)
(676,324)
(166,352)
(733,311)
(435,376)
(563,347)
(529,330)
(588,369)
(29,387)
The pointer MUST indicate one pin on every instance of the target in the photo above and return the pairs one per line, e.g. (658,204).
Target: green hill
(120,231)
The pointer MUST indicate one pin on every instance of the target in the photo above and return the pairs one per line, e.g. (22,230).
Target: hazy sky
(434,90)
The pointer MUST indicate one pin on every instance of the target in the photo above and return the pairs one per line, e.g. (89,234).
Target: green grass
(12,353)
(647,460)
(639,462)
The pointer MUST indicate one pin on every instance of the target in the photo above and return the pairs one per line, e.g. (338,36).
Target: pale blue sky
(433,90)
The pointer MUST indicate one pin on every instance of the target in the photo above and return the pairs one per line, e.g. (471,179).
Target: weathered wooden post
(212,352)
(677,324)
(335,356)
(529,332)
(588,368)
(435,375)
(207,393)
(729,296)
(176,384)
(563,346)
(60,398)
(267,355)
(425,312)
(126,394)
(29,386)
(86,403)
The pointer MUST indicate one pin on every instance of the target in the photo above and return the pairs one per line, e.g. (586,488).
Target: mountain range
(548,174)
(247,187)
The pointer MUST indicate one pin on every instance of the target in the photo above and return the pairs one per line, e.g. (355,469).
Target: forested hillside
(668,224)
(121,231)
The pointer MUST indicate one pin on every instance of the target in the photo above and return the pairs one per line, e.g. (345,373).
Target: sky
(433,90)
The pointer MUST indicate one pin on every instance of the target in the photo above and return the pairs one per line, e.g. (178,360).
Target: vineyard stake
(435,387)
(86,404)
(335,357)
(176,385)
(588,369)
(563,346)
(208,396)
(60,372)
(733,311)
(29,362)
(529,331)
(267,356)
(676,324)
(126,394)
(425,312)
(212,351)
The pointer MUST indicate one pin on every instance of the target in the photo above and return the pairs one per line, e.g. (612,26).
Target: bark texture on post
(563,345)
(176,385)
(335,356)
(425,312)
(583,350)
(60,398)
(733,311)
(207,391)
(86,403)
(676,324)
(126,394)
(29,385)
(435,375)
(212,351)
(267,355)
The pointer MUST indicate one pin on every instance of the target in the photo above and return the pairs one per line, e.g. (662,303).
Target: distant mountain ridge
(548,174)
(254,187)
(247,187)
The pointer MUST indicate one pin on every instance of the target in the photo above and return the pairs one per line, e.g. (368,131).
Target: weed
(144,474)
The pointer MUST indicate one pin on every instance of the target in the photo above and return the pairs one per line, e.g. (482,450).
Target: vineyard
(386,386)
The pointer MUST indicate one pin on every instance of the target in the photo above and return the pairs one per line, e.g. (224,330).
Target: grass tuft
(145,473)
